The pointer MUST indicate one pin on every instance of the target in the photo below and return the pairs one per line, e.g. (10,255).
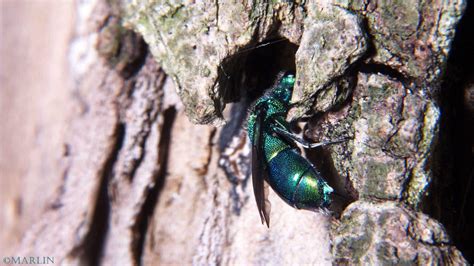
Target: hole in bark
(385,70)
(133,52)
(451,198)
(123,49)
(375,68)
(252,70)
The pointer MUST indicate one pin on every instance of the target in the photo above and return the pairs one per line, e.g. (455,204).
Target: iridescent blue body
(289,174)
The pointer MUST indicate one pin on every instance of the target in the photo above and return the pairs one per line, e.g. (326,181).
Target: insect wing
(259,174)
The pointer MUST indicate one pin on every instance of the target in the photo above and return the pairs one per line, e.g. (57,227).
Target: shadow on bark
(451,198)
(94,242)
(253,70)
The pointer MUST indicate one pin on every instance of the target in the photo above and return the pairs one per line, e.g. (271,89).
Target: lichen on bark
(377,66)
(391,138)
(137,183)
(381,233)
(192,41)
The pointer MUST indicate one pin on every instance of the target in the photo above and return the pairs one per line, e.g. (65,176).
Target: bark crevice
(145,214)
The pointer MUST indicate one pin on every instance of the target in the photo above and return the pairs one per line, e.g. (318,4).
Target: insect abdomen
(297,181)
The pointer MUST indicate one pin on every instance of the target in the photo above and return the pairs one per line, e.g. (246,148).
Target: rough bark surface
(135,181)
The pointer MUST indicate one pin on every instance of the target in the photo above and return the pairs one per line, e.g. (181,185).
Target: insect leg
(281,131)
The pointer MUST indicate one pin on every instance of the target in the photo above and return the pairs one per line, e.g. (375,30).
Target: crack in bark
(141,225)
(375,68)
(57,202)
(386,146)
(90,251)
(217,14)
(408,180)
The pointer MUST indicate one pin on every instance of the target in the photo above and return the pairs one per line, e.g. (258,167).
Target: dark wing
(259,173)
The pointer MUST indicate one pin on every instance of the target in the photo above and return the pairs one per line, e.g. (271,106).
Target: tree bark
(120,173)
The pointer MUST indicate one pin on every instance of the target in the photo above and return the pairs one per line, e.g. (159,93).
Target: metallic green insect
(276,157)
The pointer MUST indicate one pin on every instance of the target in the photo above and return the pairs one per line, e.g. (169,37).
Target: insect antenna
(260,46)
(249,49)
(340,196)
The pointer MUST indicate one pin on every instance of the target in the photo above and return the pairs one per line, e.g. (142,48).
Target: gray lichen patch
(179,36)
(411,36)
(332,40)
(386,234)
(393,131)
(421,172)
(375,65)
(192,40)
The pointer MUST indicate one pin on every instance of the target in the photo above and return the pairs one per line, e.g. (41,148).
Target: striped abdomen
(297,181)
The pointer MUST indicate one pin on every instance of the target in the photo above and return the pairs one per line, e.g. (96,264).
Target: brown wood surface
(99,163)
